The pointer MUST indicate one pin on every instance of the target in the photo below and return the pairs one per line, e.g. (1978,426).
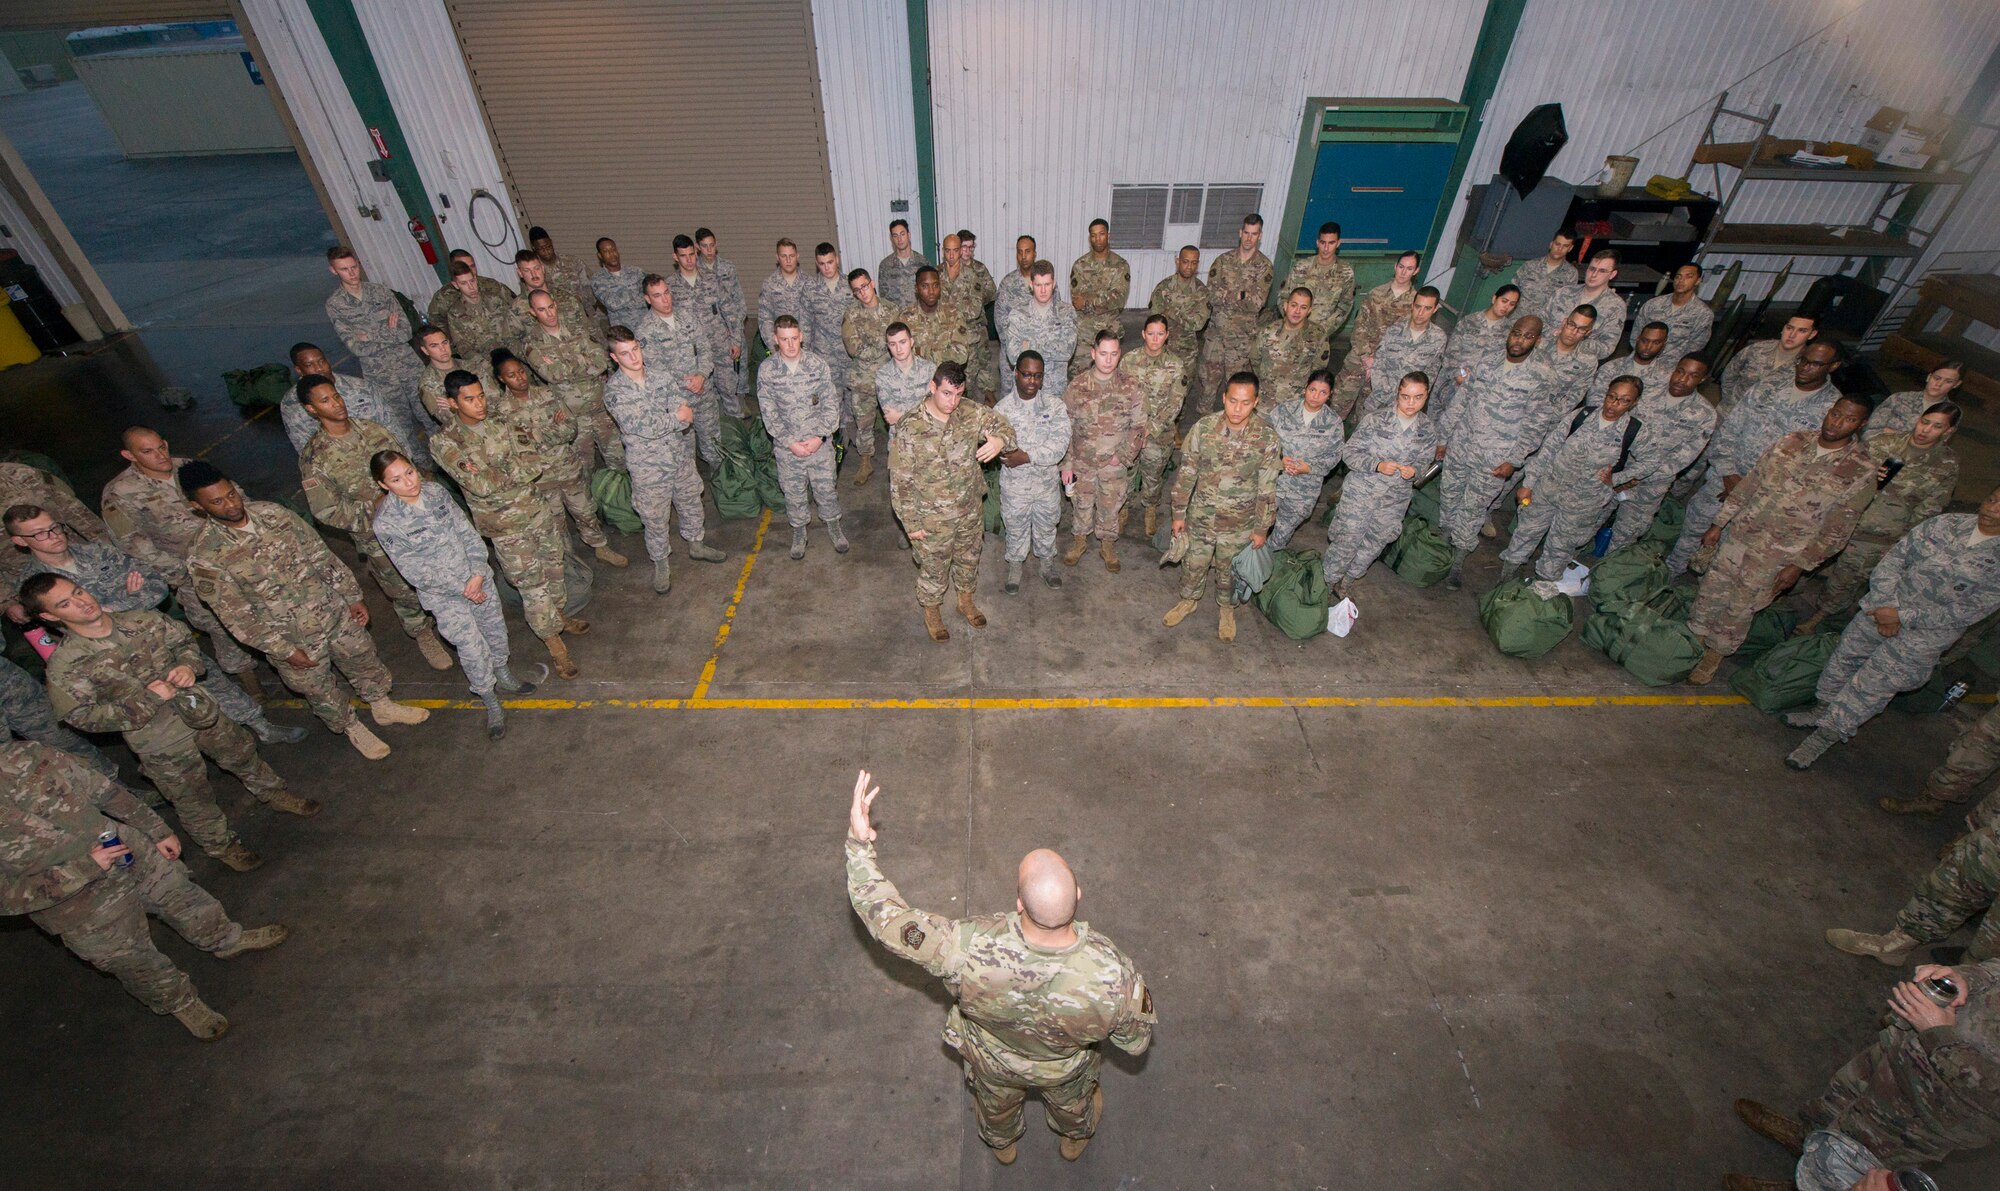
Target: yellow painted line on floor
(261,411)
(1086,703)
(729,613)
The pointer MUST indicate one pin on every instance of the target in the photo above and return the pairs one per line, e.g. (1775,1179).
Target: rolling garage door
(641,119)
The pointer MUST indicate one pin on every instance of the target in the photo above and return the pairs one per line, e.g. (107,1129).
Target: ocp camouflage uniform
(26,712)
(1049,330)
(430,390)
(1031,494)
(1315,440)
(1764,360)
(1538,283)
(1749,429)
(942,334)
(799,402)
(340,490)
(781,295)
(404,424)
(151,520)
(1285,357)
(896,277)
(1605,334)
(1107,419)
(970,291)
(1795,508)
(280,590)
(1672,435)
(678,350)
(1688,327)
(573,309)
(1184,304)
(1226,491)
(21,484)
(1370,513)
(52,810)
(619,293)
(437,550)
(936,488)
(901,391)
(1400,352)
(1500,415)
(1381,309)
(1024,1017)
(553,435)
(661,451)
(497,466)
(1568,501)
(861,333)
(1915,1096)
(1164,378)
(1941,581)
(704,298)
(574,365)
(388,363)
(1921,489)
(100,686)
(476,328)
(1236,292)
(1103,286)
(1964,883)
(1332,287)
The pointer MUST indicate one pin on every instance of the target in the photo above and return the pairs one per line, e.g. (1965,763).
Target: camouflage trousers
(1701,510)
(1736,588)
(1561,525)
(1297,497)
(177,766)
(661,484)
(25,711)
(570,502)
(983,372)
(999,1095)
(1636,512)
(948,555)
(707,425)
(1096,498)
(1226,347)
(858,415)
(814,474)
(596,433)
(477,632)
(1030,508)
(1963,884)
(403,413)
(727,379)
(105,925)
(1368,518)
(1833,1162)
(1867,670)
(1466,494)
(1847,575)
(350,652)
(230,655)
(1973,758)
(1211,550)
(1350,384)
(1153,460)
(530,552)
(402,597)
(1850,1105)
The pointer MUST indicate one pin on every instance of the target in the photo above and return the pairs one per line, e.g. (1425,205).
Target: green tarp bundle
(611,490)
(254,388)
(1628,576)
(1666,527)
(745,482)
(1652,640)
(1769,629)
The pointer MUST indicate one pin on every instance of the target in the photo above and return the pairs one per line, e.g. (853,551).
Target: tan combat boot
(1006,1154)
(365,742)
(1152,523)
(867,469)
(257,938)
(610,557)
(1072,1148)
(1225,623)
(559,656)
(238,857)
(1110,556)
(1768,1122)
(1179,612)
(203,1022)
(934,623)
(1704,670)
(969,610)
(433,650)
(292,804)
(1075,551)
(575,626)
(388,711)
(1929,808)
(1892,949)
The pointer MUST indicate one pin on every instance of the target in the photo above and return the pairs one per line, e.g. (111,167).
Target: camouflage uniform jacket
(551,431)
(362,322)
(102,569)
(727,289)
(1800,502)
(824,319)
(624,304)
(571,361)
(150,520)
(970,291)
(574,307)
(1165,380)
(476,330)
(1605,334)
(1104,285)
(430,387)
(1228,480)
(1014,291)
(1332,287)
(1766,414)
(1921,489)
(898,391)
(22,484)
(1688,327)
(797,398)
(1041,428)
(1381,309)
(1475,340)
(1315,442)
(357,394)
(1184,304)
(674,349)
(1572,454)
(989,290)
(1107,420)
(274,585)
(1237,288)
(1050,330)
(1673,432)
(861,332)
(1283,360)
(1384,437)
(942,333)
(52,809)
(1900,411)
(1936,578)
(1400,352)
(495,462)
(432,544)
(1501,414)
(896,280)
(783,295)
(1652,377)
(1030,1011)
(339,488)
(1574,369)
(934,470)
(100,685)
(648,415)
(1538,283)
(1762,361)
(702,300)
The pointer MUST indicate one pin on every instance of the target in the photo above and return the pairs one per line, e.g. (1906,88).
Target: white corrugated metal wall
(864,70)
(18,234)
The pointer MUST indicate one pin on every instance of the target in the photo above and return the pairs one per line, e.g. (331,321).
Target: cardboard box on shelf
(1905,139)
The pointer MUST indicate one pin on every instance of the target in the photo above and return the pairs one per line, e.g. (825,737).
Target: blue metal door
(1383,195)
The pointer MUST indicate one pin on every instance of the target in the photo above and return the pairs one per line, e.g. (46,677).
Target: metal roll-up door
(641,119)
(94,14)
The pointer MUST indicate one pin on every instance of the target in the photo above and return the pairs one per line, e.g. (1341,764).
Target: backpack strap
(1625,448)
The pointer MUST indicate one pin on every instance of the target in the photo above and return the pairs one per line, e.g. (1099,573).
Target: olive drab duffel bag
(1421,556)
(611,492)
(1653,641)
(1523,624)
(1628,576)
(1787,674)
(1296,596)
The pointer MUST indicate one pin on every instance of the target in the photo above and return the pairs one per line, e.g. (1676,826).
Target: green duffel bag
(733,482)
(1628,576)
(1523,624)
(1787,673)
(1601,630)
(611,491)
(1295,597)
(1768,629)
(764,464)
(255,388)
(1667,523)
(1421,556)
(1654,645)
(1424,499)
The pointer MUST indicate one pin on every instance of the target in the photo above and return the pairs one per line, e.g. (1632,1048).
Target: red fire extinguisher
(423,239)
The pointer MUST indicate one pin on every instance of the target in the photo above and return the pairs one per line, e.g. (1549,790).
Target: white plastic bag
(1341,617)
(1575,580)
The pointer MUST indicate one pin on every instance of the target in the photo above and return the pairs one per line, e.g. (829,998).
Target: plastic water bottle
(1954,694)
(108,838)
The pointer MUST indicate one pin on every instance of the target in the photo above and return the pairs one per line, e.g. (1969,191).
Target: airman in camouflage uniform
(1565,356)
(1477,340)
(1388,450)
(619,289)
(863,332)
(1964,883)
(712,297)
(783,293)
(1031,473)
(1649,364)
(1044,324)
(574,364)
(1673,434)
(1381,308)
(1225,497)
(652,406)
(1182,300)
(1035,992)
(24,485)
(969,287)
(440,361)
(563,273)
(936,488)
(1416,344)
(802,411)
(1794,511)
(1594,291)
(1238,284)
(1921,488)
(1287,353)
(1766,359)
(902,384)
(1107,418)
(26,712)
(1571,482)
(940,330)
(54,870)
(1539,279)
(1310,438)
(1330,279)
(1503,412)
(675,343)
(1900,411)
(1689,320)
(896,275)
(477,312)
(828,299)
(574,303)
(368,317)
(404,421)
(1164,377)
(1017,286)
(1099,283)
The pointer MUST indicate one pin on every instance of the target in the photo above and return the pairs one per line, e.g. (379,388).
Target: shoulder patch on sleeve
(913,936)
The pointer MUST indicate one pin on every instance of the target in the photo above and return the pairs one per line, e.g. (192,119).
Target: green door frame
(919,13)
(1482,79)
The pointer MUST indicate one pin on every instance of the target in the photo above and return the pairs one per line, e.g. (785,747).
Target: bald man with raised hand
(1037,992)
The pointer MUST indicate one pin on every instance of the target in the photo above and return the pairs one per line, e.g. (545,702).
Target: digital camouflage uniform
(1688,327)
(1652,377)
(1164,378)
(574,364)
(1538,283)
(1226,491)
(1921,489)
(151,520)
(1031,494)
(278,589)
(1237,289)
(780,295)
(1102,286)
(1940,583)
(1605,334)
(340,490)
(25,711)
(1899,411)
(100,686)
(404,420)
(388,363)
(1500,415)
(435,547)
(826,311)
(1764,360)
(1753,426)
(619,293)
(52,809)
(1107,421)
(679,350)
(1184,304)
(1332,286)
(477,328)
(1381,309)
(1370,513)
(553,435)
(1024,1017)
(936,488)
(1315,441)
(1672,435)
(1795,508)
(1400,352)
(24,485)
(1575,370)
(704,299)
(430,390)
(1476,342)
(1285,357)
(896,278)
(861,333)
(943,334)
(799,402)
(661,451)
(732,316)
(1047,329)
(497,466)
(1569,502)
(970,291)
(901,391)
(1915,1096)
